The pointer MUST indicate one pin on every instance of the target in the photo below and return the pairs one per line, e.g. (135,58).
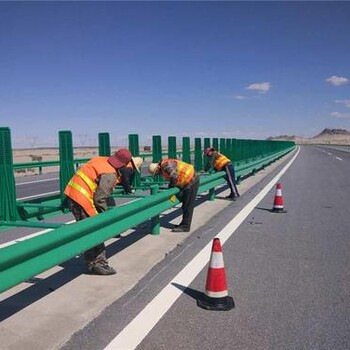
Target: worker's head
(208,151)
(136,163)
(153,168)
(120,158)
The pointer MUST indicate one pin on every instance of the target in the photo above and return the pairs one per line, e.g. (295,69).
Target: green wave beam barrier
(26,259)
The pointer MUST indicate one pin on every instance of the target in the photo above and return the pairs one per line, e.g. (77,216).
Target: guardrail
(28,258)
(20,213)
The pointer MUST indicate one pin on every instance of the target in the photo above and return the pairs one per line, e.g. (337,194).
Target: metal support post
(155,221)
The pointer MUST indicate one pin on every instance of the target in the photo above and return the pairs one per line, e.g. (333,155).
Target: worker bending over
(181,175)
(89,190)
(221,163)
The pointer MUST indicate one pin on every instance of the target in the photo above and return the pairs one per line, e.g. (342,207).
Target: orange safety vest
(82,187)
(220,162)
(184,170)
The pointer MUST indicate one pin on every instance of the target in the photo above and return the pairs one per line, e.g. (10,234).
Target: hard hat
(137,162)
(153,168)
(208,150)
(120,158)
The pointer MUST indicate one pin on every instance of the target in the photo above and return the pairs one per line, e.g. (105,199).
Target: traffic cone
(278,203)
(216,295)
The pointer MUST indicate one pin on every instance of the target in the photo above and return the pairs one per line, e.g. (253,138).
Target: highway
(288,273)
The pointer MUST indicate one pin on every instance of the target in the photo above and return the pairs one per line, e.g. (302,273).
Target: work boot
(102,269)
(231,197)
(181,228)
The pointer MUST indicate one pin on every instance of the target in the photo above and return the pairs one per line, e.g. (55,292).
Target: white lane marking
(30,236)
(38,195)
(329,153)
(132,335)
(338,158)
(37,181)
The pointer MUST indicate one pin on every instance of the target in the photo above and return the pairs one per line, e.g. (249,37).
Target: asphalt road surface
(288,273)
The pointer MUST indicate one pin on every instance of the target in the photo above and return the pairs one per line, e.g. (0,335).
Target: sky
(240,69)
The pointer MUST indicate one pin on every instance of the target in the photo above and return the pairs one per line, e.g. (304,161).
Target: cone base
(216,304)
(278,210)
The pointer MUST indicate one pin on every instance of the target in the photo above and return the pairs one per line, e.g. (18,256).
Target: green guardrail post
(8,208)
(66,160)
(155,221)
(212,190)
(198,157)
(134,148)
(172,147)
(186,149)
(104,145)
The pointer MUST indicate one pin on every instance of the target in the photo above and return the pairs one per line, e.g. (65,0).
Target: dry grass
(46,154)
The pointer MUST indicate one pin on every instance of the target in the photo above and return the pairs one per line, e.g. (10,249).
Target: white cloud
(261,88)
(337,81)
(340,115)
(346,103)
(240,97)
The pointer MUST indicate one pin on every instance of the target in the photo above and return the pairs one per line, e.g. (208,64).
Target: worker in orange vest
(181,175)
(221,163)
(88,192)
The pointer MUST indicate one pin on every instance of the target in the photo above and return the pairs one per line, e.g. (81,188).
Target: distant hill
(327,136)
(327,132)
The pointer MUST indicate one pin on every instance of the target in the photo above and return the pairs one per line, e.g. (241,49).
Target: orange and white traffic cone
(278,203)
(216,295)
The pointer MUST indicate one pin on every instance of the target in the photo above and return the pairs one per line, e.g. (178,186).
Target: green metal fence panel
(172,151)
(104,145)
(134,148)
(157,148)
(215,143)
(186,149)
(157,153)
(66,160)
(8,209)
(198,154)
(206,158)
(222,146)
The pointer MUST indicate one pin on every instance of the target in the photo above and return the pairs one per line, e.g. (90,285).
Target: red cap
(208,150)
(120,158)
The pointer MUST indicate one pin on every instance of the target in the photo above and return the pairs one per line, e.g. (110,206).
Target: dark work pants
(188,198)
(231,178)
(97,254)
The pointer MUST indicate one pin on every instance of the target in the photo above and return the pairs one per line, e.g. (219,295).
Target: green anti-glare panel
(157,153)
(134,148)
(206,145)
(157,148)
(172,147)
(104,145)
(198,158)
(186,149)
(8,209)
(66,160)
